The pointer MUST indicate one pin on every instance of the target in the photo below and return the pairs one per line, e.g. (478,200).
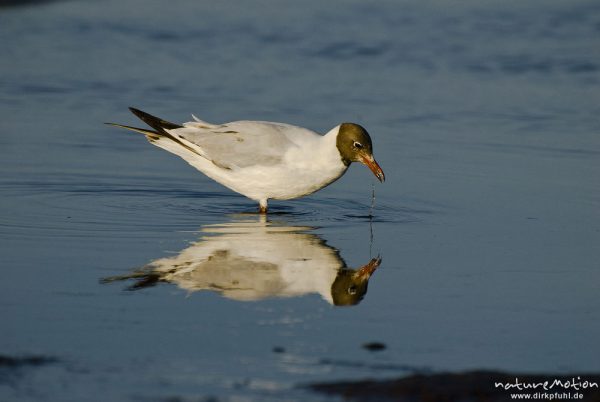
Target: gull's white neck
(329,149)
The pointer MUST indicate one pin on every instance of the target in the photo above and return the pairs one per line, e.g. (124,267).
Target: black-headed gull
(263,160)
(250,261)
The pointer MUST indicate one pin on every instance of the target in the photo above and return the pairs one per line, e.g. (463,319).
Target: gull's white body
(261,160)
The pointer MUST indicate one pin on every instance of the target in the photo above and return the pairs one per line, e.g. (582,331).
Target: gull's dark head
(350,286)
(354,144)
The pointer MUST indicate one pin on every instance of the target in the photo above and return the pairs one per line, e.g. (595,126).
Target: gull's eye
(352,290)
(357,145)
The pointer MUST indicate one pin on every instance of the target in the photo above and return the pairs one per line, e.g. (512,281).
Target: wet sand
(471,386)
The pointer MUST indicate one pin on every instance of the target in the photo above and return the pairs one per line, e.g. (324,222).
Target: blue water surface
(484,117)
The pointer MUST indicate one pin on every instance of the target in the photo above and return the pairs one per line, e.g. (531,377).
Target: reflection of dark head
(350,286)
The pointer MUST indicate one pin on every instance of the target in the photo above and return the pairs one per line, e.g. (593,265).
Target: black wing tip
(155,122)
(142,115)
(139,113)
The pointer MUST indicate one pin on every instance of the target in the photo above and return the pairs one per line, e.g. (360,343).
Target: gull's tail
(161,133)
(156,123)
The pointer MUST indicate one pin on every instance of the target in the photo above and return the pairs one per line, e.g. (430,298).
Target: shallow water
(484,118)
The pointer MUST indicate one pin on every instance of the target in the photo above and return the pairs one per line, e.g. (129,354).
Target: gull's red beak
(367,270)
(372,164)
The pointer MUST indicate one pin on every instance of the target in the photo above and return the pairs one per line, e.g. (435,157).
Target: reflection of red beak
(365,272)
(372,164)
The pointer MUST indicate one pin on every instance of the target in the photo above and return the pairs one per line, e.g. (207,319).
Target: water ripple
(79,207)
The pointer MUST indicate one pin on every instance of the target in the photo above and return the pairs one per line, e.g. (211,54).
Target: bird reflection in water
(255,260)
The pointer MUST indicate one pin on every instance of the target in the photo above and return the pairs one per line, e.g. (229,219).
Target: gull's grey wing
(241,144)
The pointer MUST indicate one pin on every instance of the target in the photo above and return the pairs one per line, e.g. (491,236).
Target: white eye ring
(357,145)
